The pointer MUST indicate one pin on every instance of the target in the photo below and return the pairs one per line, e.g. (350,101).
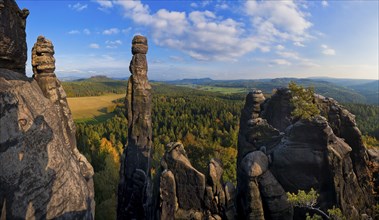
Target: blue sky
(218,39)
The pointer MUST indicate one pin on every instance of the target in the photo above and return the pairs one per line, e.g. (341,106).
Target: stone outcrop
(185,193)
(280,155)
(12,36)
(42,174)
(138,150)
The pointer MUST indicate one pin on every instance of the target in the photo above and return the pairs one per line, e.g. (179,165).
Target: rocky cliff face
(42,174)
(182,192)
(135,186)
(12,36)
(277,155)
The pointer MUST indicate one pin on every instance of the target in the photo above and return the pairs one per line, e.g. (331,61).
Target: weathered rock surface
(325,154)
(344,126)
(39,177)
(277,110)
(185,193)
(42,174)
(12,36)
(137,152)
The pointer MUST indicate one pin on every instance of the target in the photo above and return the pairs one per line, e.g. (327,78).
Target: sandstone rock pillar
(43,63)
(135,165)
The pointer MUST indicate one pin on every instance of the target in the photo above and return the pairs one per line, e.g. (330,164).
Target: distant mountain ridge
(343,90)
(361,91)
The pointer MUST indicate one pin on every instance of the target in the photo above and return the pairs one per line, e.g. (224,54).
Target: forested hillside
(362,93)
(94,87)
(206,122)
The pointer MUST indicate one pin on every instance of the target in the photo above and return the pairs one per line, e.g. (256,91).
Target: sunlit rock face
(135,185)
(325,153)
(42,174)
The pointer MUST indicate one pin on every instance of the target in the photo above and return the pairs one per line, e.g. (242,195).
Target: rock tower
(135,185)
(278,153)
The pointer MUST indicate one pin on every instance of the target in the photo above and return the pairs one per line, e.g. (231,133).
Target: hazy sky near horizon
(218,39)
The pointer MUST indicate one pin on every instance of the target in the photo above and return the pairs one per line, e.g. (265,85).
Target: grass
(223,90)
(94,108)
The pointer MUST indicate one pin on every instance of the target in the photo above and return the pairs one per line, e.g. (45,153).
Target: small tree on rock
(303,101)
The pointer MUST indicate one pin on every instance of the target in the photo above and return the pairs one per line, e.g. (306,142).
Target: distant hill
(370,90)
(329,89)
(343,82)
(365,93)
(94,87)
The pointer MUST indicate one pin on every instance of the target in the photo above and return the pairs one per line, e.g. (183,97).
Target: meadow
(93,108)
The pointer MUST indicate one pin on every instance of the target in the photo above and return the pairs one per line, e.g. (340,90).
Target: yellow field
(93,106)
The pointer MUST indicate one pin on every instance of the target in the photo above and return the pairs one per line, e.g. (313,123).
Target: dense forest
(207,123)
(366,93)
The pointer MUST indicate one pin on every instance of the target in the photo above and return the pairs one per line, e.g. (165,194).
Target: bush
(303,101)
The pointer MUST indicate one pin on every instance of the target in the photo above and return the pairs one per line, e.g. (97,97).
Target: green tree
(303,101)
(309,201)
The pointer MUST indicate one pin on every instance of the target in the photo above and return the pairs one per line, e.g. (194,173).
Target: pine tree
(303,102)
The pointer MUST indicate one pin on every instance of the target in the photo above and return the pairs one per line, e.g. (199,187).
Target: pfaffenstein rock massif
(44,176)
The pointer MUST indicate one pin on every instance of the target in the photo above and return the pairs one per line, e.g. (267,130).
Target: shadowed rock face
(12,36)
(42,174)
(137,152)
(185,193)
(39,177)
(326,154)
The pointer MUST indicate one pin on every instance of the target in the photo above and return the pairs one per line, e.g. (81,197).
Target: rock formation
(12,36)
(42,175)
(185,193)
(278,155)
(136,158)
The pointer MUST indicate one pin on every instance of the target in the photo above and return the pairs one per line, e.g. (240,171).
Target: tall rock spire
(43,63)
(135,165)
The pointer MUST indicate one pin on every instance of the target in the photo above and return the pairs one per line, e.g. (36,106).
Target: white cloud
(327,50)
(78,6)
(200,34)
(86,31)
(111,31)
(74,32)
(94,46)
(126,30)
(104,4)
(194,5)
(222,6)
(204,35)
(286,54)
(324,3)
(280,62)
(113,44)
(280,47)
(278,19)
(298,44)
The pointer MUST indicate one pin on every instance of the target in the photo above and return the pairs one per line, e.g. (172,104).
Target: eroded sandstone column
(135,168)
(43,63)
